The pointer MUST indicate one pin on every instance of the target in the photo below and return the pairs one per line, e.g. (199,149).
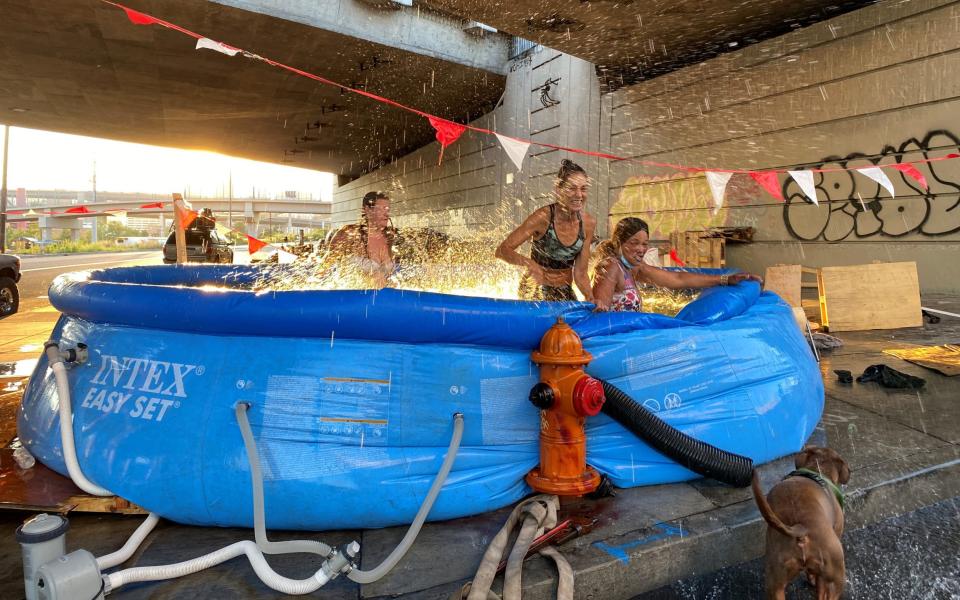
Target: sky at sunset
(42,160)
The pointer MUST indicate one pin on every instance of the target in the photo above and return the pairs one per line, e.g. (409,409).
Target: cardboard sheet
(943,359)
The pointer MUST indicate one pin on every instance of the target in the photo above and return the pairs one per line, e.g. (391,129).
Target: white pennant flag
(222,229)
(805,180)
(218,46)
(515,149)
(718,185)
(877,174)
(284,257)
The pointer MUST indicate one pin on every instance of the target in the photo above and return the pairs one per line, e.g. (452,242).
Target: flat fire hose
(535,516)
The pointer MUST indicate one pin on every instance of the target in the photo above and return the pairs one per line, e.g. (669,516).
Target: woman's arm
(605,283)
(507,250)
(580,276)
(682,279)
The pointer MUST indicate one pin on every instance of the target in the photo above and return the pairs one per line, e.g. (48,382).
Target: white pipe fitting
(66,424)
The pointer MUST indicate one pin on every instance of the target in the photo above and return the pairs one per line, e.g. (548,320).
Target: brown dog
(806,521)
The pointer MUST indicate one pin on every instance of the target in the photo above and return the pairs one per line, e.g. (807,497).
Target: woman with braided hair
(621,269)
(560,234)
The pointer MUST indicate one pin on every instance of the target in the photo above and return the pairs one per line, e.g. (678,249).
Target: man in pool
(367,247)
(622,268)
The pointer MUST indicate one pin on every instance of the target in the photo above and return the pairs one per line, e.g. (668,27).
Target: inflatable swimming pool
(351,392)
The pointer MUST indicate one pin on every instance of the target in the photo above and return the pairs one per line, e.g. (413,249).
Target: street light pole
(230,200)
(3,191)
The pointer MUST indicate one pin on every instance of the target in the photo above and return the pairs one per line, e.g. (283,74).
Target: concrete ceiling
(632,40)
(79,66)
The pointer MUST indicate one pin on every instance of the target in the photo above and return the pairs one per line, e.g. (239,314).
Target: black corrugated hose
(699,457)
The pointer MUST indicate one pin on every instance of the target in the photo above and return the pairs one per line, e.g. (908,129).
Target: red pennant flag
(138,18)
(447,132)
(912,171)
(78,210)
(769,181)
(152,205)
(187,217)
(253,244)
(676,258)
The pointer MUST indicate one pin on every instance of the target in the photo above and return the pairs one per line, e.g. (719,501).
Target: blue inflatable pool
(352,392)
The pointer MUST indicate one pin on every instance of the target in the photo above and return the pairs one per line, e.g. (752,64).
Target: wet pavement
(902,447)
(911,556)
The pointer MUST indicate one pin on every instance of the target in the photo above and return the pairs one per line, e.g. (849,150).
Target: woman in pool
(622,268)
(560,234)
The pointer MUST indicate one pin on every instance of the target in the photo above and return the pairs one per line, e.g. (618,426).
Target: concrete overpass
(634,40)
(247,214)
(81,67)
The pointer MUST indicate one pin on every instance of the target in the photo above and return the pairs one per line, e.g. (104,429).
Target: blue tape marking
(619,552)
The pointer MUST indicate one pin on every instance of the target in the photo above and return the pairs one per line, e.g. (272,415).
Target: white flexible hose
(259,519)
(68,444)
(120,556)
(261,568)
(66,426)
(391,561)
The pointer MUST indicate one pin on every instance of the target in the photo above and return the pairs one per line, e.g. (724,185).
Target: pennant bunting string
(253,244)
(515,149)
(718,186)
(805,180)
(877,174)
(769,181)
(217,46)
(448,132)
(911,171)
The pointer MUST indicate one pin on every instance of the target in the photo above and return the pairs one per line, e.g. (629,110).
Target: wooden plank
(874,296)
(717,254)
(784,280)
(40,488)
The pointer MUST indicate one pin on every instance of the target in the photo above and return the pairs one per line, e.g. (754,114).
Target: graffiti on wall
(673,203)
(855,207)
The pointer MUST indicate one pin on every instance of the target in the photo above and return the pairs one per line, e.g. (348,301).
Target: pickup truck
(9,276)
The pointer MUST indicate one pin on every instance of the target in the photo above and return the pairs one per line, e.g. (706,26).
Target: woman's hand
(738,277)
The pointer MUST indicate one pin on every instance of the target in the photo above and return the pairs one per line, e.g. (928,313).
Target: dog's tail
(797,532)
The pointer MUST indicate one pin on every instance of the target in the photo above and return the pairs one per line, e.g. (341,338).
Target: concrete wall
(868,87)
(861,89)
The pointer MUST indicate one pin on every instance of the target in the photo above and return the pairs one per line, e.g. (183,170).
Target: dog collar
(824,482)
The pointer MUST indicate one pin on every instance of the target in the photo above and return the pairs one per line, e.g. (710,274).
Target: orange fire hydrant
(565,397)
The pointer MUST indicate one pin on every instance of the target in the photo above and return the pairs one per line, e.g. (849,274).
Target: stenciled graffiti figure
(851,205)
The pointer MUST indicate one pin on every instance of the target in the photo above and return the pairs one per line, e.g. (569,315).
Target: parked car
(9,276)
(204,244)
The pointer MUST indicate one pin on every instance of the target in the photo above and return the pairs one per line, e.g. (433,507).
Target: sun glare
(44,160)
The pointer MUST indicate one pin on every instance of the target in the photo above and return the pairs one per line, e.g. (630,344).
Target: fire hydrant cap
(561,345)
(588,397)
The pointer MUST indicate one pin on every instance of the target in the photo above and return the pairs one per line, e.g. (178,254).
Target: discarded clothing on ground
(824,341)
(890,378)
(844,376)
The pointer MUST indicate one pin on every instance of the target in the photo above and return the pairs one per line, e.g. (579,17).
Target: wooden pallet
(699,249)
(40,488)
